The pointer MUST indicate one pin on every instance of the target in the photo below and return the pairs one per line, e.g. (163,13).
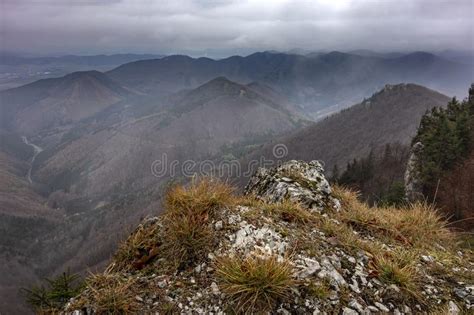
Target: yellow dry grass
(417,225)
(189,212)
(255,284)
(110,293)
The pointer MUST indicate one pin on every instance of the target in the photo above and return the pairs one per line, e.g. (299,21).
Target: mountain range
(314,83)
(93,60)
(195,126)
(17,70)
(89,140)
(50,103)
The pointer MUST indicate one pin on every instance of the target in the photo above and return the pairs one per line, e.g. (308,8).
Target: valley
(36,150)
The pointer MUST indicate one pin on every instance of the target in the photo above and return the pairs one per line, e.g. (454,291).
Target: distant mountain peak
(77,74)
(219,85)
(421,54)
(176,58)
(89,81)
(223,91)
(219,80)
(336,53)
(60,101)
(410,87)
(93,75)
(337,56)
(420,57)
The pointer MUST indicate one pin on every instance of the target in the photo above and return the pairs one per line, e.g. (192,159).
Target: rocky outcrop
(297,181)
(413,185)
(334,263)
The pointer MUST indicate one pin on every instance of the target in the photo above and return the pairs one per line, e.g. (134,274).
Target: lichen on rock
(297,181)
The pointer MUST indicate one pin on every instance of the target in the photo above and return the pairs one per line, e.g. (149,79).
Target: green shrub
(55,295)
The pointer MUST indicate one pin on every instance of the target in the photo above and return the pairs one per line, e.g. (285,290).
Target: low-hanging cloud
(109,26)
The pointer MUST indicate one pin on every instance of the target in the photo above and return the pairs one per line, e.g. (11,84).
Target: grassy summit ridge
(215,251)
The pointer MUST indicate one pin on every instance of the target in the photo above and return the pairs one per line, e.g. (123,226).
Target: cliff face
(413,185)
(440,168)
(291,245)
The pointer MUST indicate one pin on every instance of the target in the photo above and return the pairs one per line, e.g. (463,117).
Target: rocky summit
(291,245)
(298,182)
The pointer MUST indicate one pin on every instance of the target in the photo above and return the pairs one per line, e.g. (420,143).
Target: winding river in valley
(37,150)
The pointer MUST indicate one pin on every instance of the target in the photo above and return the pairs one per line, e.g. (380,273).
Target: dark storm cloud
(89,26)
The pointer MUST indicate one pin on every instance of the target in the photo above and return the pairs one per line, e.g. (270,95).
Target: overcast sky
(233,26)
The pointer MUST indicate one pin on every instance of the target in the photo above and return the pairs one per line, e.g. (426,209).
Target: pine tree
(53,297)
(447,135)
(369,165)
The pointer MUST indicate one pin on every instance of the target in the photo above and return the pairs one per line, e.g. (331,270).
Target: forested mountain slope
(391,115)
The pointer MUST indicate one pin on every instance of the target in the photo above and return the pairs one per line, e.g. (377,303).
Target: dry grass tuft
(345,236)
(320,290)
(201,198)
(184,234)
(255,285)
(422,224)
(412,230)
(399,268)
(286,210)
(189,211)
(291,212)
(186,240)
(110,294)
(168,308)
(346,196)
(418,225)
